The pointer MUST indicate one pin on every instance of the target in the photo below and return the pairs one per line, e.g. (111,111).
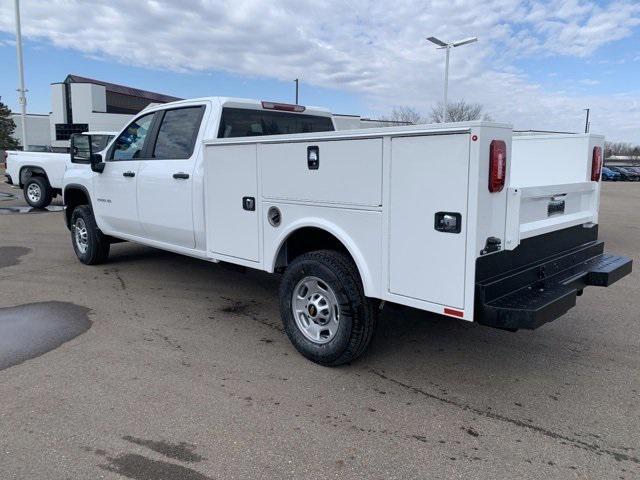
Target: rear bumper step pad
(539,293)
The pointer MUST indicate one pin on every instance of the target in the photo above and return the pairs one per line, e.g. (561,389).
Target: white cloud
(375,49)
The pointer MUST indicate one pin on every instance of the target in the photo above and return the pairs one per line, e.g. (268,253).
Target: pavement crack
(244,309)
(592,447)
(123,285)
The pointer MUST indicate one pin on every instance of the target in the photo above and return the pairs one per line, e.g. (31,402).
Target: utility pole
(586,123)
(22,97)
(297,80)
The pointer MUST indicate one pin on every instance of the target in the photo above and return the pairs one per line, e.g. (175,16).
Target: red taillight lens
(596,164)
(497,165)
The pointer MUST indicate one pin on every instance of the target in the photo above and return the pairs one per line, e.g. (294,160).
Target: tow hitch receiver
(538,293)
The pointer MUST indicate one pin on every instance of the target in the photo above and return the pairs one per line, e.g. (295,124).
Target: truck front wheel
(37,192)
(89,243)
(324,311)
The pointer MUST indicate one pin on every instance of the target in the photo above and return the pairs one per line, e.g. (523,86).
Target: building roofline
(122,89)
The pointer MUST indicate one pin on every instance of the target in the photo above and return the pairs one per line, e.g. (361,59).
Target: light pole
(586,123)
(297,80)
(22,98)
(447,47)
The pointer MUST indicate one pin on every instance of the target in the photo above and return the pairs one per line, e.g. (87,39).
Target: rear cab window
(242,122)
(178,133)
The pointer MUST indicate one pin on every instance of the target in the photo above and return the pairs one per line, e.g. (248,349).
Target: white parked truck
(461,219)
(39,174)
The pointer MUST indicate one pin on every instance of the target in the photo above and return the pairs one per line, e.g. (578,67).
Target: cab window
(177,133)
(130,144)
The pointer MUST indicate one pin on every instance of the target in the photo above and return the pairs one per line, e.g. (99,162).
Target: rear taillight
(596,164)
(497,165)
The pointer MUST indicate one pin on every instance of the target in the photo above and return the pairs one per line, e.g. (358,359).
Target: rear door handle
(129,174)
(181,176)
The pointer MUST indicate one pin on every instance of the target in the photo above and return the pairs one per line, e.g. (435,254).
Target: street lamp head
(464,41)
(458,43)
(437,41)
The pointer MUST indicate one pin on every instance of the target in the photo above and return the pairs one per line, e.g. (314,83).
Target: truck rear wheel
(37,192)
(324,311)
(89,243)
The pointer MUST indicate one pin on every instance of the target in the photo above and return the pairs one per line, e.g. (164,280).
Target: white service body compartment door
(348,172)
(429,174)
(231,175)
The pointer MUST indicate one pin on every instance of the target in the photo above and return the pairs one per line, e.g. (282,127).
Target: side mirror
(97,165)
(80,148)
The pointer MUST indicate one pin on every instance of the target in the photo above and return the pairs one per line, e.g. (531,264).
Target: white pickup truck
(462,219)
(39,174)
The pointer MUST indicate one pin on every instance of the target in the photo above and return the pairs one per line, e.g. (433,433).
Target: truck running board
(539,293)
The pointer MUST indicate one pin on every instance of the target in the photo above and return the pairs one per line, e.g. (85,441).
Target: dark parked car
(627,175)
(609,175)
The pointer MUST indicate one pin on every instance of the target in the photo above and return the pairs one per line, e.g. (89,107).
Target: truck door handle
(129,174)
(181,176)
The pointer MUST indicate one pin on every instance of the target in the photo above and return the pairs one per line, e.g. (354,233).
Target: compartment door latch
(249,203)
(313,157)
(448,222)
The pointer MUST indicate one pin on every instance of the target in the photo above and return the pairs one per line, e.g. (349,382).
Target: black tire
(38,192)
(96,248)
(357,313)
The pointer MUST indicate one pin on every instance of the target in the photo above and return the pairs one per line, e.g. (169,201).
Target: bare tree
(406,115)
(459,111)
(622,149)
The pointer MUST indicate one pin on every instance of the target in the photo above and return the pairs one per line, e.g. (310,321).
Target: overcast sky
(537,65)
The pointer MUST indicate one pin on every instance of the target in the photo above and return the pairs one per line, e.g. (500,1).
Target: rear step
(540,293)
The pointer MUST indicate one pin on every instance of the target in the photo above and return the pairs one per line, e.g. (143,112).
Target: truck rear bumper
(540,291)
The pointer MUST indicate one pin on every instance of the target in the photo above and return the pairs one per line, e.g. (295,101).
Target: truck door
(165,180)
(115,199)
(429,179)
(231,201)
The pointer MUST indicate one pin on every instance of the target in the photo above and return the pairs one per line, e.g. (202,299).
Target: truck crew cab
(461,219)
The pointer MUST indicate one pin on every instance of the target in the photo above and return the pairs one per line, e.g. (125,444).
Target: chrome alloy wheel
(316,310)
(34,192)
(81,235)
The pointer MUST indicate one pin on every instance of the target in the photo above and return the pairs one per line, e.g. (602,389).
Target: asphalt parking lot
(178,369)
